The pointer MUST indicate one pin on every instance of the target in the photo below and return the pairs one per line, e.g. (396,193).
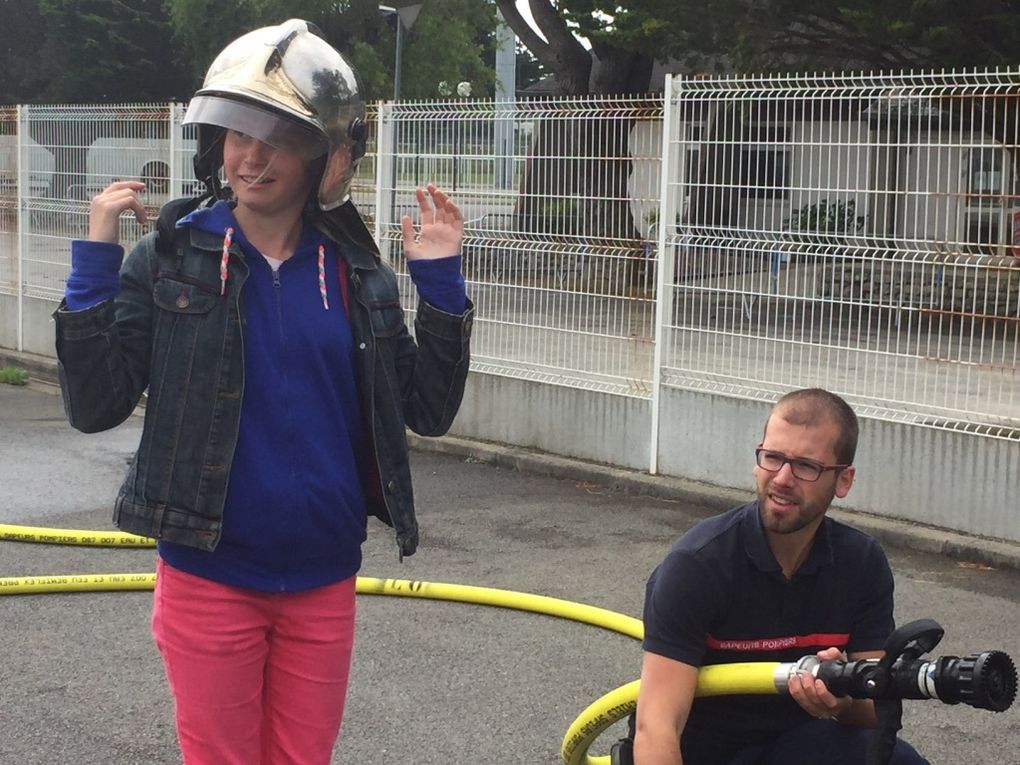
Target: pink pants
(257,678)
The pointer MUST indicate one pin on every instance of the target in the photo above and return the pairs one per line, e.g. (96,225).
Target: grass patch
(13,376)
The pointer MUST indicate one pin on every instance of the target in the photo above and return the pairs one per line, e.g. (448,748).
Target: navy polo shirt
(721,597)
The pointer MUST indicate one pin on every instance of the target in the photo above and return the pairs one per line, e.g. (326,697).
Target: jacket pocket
(183,297)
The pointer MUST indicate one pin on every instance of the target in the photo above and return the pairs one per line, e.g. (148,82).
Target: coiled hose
(755,678)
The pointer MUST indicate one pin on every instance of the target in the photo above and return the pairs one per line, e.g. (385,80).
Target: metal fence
(854,232)
(562,278)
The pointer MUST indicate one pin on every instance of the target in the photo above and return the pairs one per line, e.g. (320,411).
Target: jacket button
(361,346)
(182,301)
(391,487)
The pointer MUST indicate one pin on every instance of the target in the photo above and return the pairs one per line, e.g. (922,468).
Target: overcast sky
(525,11)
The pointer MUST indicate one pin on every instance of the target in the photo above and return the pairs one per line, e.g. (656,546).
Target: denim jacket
(170,331)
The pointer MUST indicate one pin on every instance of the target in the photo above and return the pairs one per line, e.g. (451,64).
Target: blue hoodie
(295,510)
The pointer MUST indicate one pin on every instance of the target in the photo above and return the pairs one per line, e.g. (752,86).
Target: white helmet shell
(288,87)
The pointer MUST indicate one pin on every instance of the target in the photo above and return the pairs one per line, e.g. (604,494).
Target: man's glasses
(804,469)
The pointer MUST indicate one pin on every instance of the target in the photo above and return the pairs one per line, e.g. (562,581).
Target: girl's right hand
(108,205)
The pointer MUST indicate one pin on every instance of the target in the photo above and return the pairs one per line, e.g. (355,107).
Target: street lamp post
(403,14)
(398,66)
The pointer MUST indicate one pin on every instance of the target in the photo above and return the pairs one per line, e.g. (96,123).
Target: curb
(41,368)
(707,499)
(702,498)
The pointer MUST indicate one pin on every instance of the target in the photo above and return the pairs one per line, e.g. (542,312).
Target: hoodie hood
(219,220)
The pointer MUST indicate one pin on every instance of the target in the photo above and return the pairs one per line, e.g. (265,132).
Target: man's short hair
(812,406)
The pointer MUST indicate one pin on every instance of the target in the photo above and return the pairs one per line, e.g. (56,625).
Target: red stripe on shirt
(825,639)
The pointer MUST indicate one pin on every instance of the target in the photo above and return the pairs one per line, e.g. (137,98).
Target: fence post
(174,131)
(384,174)
(21,219)
(664,275)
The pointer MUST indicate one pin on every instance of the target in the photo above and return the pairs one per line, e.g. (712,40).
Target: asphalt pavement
(433,682)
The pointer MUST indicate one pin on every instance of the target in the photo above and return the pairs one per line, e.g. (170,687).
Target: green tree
(621,41)
(202,29)
(774,35)
(794,35)
(23,73)
(451,41)
(529,68)
(358,30)
(107,51)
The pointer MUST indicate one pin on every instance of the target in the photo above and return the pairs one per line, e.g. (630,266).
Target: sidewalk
(709,498)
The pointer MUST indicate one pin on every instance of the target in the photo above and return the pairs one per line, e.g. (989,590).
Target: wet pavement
(433,682)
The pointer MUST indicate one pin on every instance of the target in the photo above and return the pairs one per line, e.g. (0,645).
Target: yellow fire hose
(40,535)
(747,678)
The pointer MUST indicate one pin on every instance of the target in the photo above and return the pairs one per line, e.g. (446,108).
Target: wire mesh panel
(556,197)
(81,149)
(856,232)
(8,200)
(853,232)
(69,154)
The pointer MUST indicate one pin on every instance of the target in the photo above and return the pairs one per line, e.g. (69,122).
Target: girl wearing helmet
(280,376)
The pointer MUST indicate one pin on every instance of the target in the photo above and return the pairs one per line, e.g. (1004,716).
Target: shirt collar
(220,216)
(756,544)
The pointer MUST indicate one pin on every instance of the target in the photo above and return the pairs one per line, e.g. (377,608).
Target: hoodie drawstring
(224,259)
(322,276)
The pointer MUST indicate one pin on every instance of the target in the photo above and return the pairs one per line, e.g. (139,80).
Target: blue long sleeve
(95,273)
(95,268)
(440,283)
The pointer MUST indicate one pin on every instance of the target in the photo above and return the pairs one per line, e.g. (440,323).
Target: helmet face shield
(289,88)
(275,130)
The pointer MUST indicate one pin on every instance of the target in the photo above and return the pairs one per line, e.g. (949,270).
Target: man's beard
(791,521)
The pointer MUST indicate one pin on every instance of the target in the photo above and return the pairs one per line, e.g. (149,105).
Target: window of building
(763,172)
(764,163)
(156,177)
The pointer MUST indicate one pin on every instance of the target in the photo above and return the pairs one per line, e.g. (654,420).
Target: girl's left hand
(441,231)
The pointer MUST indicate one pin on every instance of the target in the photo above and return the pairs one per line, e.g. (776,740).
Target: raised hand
(109,204)
(441,227)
